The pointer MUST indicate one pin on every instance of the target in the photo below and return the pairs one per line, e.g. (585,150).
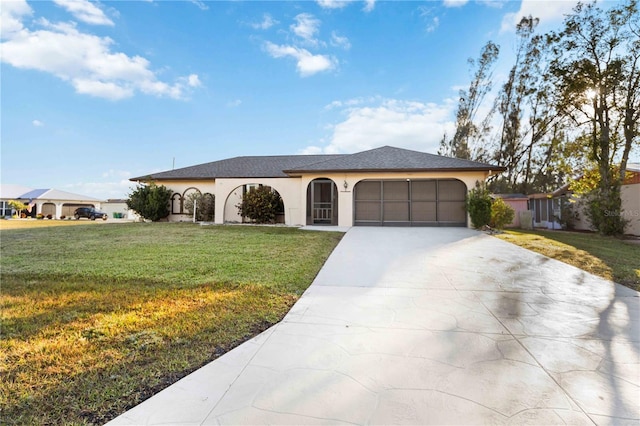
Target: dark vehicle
(90,213)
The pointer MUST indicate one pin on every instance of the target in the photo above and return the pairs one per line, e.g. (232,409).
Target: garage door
(428,202)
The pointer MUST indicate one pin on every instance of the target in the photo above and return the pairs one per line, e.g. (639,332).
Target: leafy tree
(18,206)
(479,205)
(465,141)
(261,204)
(595,71)
(150,201)
(205,206)
(502,214)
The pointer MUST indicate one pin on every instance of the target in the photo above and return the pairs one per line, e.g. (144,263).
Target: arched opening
(49,210)
(188,197)
(176,203)
(322,202)
(232,213)
(419,202)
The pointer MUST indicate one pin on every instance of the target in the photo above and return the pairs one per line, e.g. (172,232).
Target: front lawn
(95,319)
(611,258)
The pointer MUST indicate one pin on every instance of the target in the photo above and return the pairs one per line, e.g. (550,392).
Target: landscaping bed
(95,319)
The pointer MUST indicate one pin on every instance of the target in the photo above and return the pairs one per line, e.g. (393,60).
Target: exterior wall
(119,207)
(288,188)
(518,205)
(181,187)
(293,191)
(631,207)
(345,195)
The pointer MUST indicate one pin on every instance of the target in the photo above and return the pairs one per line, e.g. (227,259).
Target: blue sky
(94,93)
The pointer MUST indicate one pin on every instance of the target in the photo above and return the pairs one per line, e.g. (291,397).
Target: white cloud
(307,63)
(306,27)
(454,3)
(85,60)
(339,41)
(369,5)
(549,12)
(200,4)
(11,15)
(406,124)
(85,11)
(266,23)
(333,4)
(431,22)
(37,123)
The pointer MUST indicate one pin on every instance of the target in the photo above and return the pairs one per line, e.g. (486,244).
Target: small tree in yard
(479,205)
(261,204)
(18,206)
(150,201)
(502,214)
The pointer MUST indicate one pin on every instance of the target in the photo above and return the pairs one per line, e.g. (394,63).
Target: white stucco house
(385,186)
(52,202)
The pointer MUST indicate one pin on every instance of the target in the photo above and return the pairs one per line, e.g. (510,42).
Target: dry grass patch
(96,319)
(607,257)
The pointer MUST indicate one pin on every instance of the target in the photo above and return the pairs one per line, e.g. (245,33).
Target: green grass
(611,258)
(95,319)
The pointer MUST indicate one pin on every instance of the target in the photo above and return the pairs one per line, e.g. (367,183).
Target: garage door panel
(423,190)
(396,211)
(423,211)
(452,212)
(368,190)
(395,190)
(451,190)
(368,211)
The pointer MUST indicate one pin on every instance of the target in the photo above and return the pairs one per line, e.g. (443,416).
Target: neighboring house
(383,186)
(547,208)
(519,203)
(44,201)
(117,209)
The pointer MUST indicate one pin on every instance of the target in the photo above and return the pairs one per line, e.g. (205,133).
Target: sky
(95,93)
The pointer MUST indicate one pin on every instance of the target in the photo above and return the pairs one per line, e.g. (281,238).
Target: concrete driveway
(428,326)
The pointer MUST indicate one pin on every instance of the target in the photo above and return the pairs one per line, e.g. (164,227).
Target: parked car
(89,213)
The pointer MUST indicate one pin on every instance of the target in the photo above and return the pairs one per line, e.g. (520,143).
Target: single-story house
(52,202)
(547,208)
(117,209)
(519,203)
(382,186)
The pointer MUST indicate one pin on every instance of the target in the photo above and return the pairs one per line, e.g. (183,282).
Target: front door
(322,200)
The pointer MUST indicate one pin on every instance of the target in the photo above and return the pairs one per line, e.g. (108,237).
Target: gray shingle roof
(240,167)
(386,158)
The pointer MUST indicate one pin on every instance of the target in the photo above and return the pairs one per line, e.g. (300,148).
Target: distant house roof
(10,192)
(18,192)
(380,159)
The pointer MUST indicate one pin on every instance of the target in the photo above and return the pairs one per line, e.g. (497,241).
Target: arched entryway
(322,202)
(234,199)
(421,202)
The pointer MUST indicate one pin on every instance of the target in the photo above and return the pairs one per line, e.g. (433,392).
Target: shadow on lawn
(104,349)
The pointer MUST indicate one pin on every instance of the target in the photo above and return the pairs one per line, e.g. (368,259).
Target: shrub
(62,217)
(502,214)
(261,204)
(604,210)
(205,206)
(150,201)
(479,205)
(49,216)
